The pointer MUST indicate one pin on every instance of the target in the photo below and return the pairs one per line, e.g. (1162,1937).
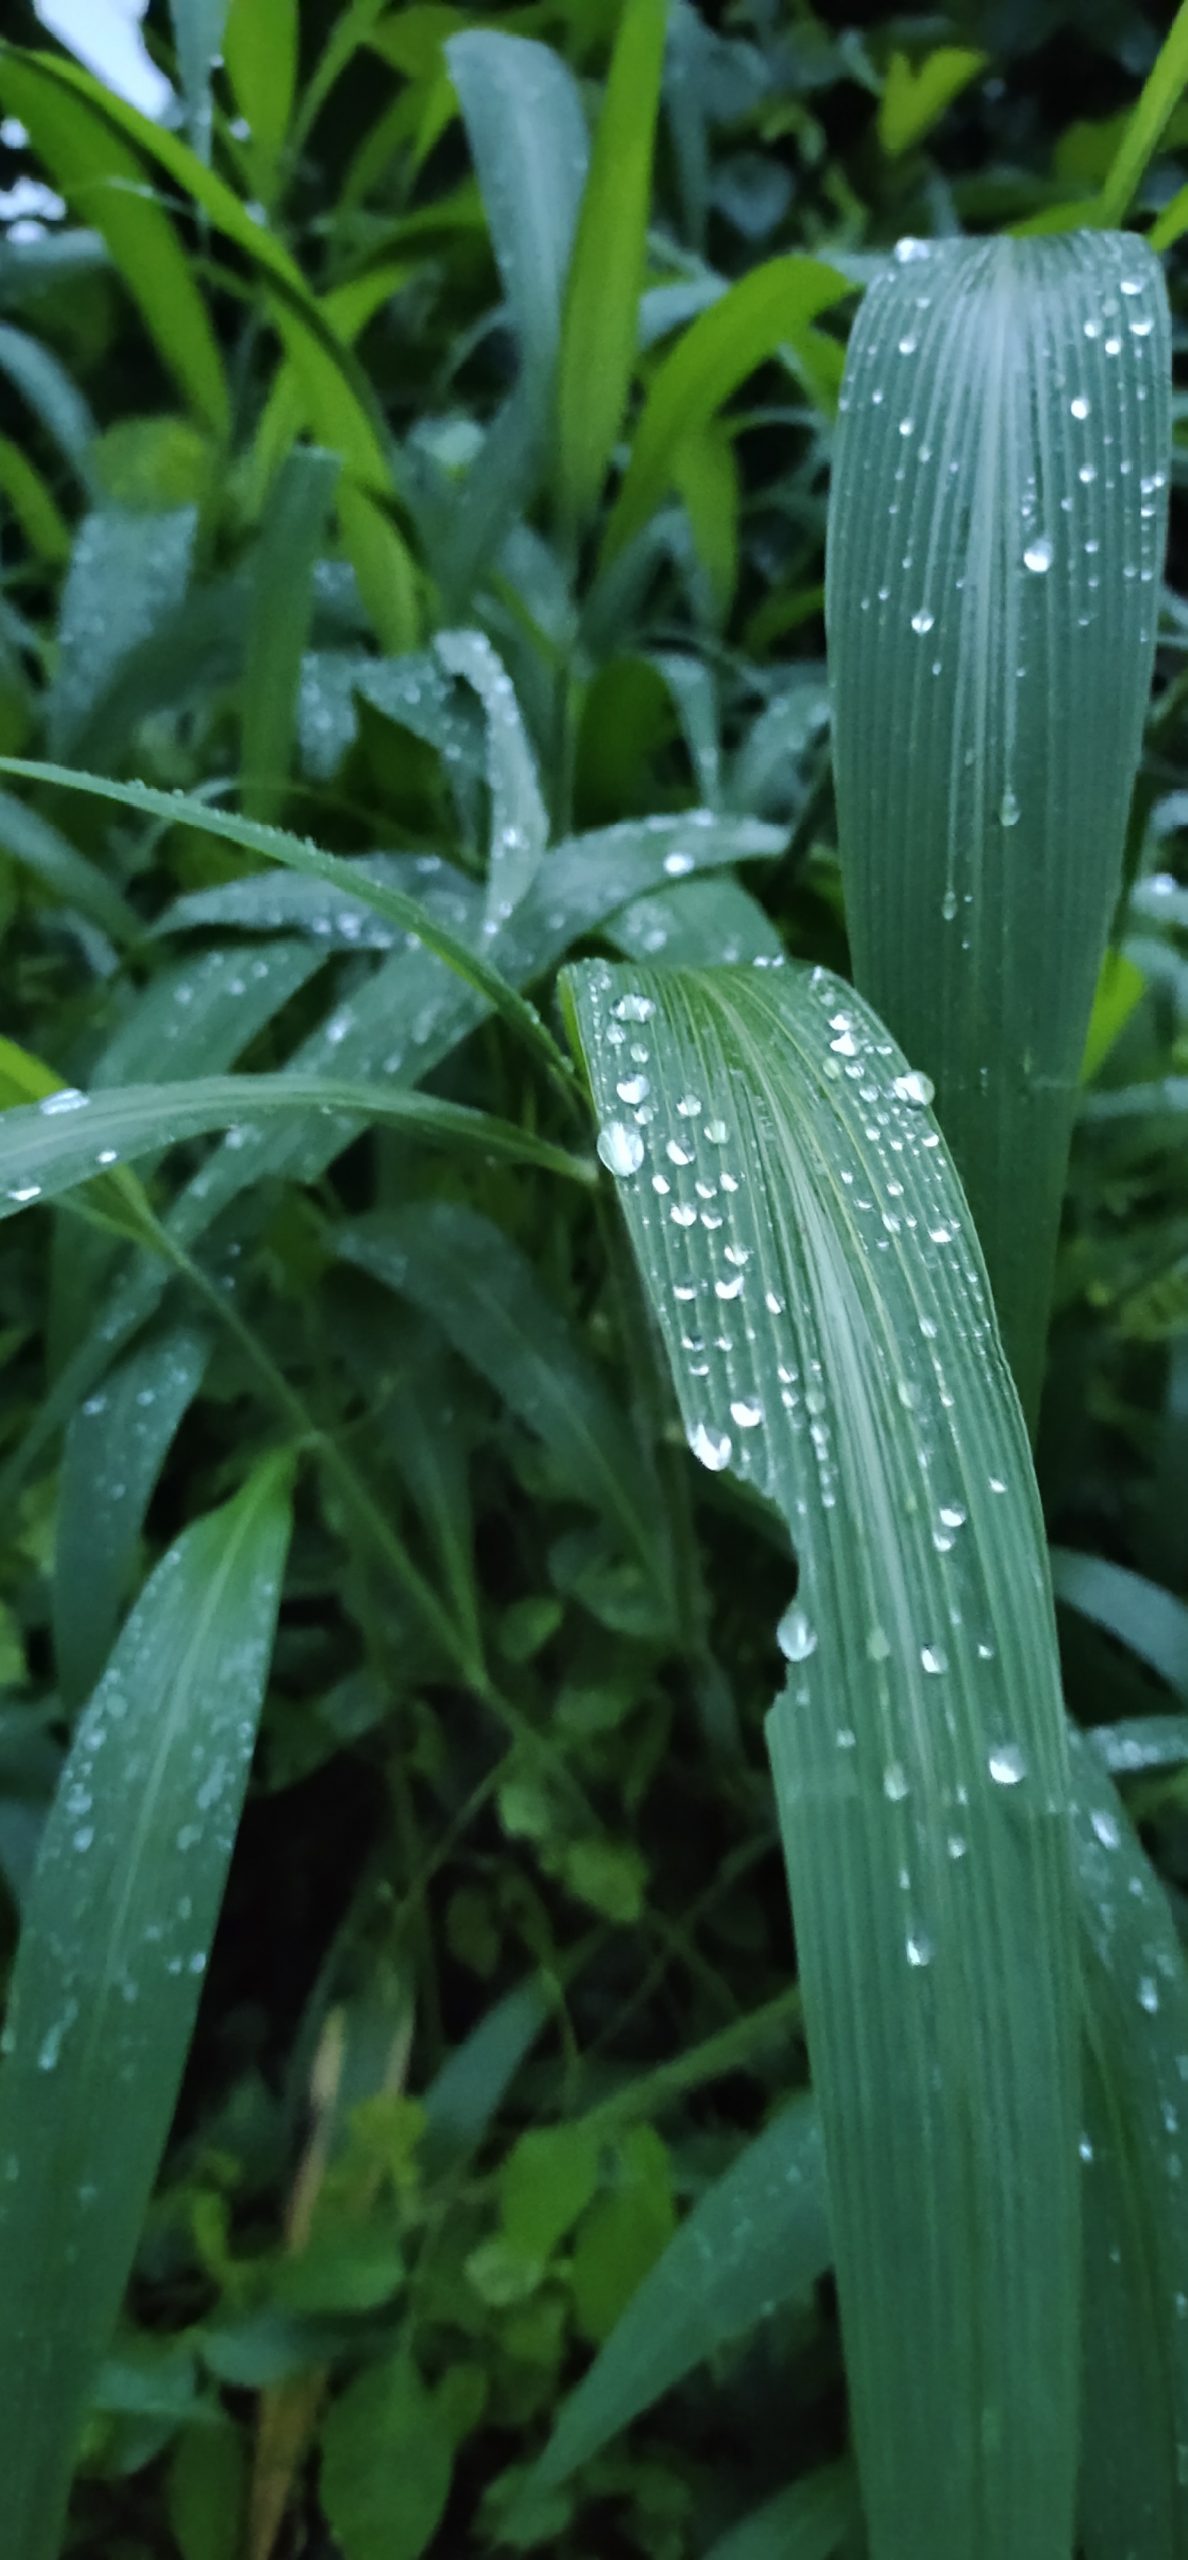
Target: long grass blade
(813,1268)
(115,1940)
(995,538)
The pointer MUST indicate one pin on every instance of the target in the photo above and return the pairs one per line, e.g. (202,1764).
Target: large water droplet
(1008,809)
(915,1087)
(1007,1764)
(923,620)
(796,1635)
(1039,554)
(620,1148)
(712,1447)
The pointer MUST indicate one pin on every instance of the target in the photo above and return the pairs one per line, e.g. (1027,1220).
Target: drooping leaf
(115,1939)
(813,1268)
(996,531)
(519,819)
(48,1147)
(601,322)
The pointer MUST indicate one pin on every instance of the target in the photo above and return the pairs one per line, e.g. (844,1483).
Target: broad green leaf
(127,574)
(771,309)
(89,159)
(813,1268)
(696,926)
(115,1448)
(387,2462)
(1161,92)
(115,1940)
(519,819)
(197,38)
(198,1014)
(298,854)
(756,2240)
(261,49)
(1152,1623)
(279,621)
(810,2521)
(601,322)
(464,2096)
(50,1146)
(265,902)
(527,135)
(50,858)
(1134,2484)
(915,96)
(996,536)
(469,1277)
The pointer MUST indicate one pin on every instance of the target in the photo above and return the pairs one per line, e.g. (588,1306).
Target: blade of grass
(1161,93)
(279,622)
(115,1939)
(996,532)
(813,1268)
(601,320)
(771,308)
(807,2522)
(48,1147)
(527,135)
(197,37)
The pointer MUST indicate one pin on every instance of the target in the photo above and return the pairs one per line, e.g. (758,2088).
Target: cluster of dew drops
(1073,539)
(691,1169)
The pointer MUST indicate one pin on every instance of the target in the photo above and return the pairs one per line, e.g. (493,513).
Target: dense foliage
(404,446)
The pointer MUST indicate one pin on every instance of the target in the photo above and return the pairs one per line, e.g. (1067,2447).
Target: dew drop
(934,1658)
(878,1645)
(914,1087)
(1079,406)
(620,1148)
(923,620)
(1008,809)
(746,1413)
(1006,1764)
(796,1636)
(1039,554)
(895,1784)
(713,1448)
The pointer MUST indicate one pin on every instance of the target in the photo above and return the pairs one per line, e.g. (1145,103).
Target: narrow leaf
(601,323)
(279,622)
(996,534)
(1161,91)
(198,36)
(756,2240)
(527,135)
(50,1146)
(813,1268)
(772,308)
(810,2521)
(1152,1623)
(115,1940)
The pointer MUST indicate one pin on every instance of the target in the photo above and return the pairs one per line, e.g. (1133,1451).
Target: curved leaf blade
(812,1264)
(995,535)
(108,1972)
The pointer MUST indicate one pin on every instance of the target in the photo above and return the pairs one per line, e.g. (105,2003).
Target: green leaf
(51,859)
(756,2240)
(91,162)
(298,854)
(601,322)
(115,1448)
(1152,1623)
(519,819)
(463,2097)
(485,1295)
(48,1147)
(915,96)
(279,621)
(261,48)
(1161,92)
(1134,2484)
(51,393)
(770,310)
(809,2521)
(989,694)
(387,2462)
(128,573)
(116,1932)
(527,135)
(207,2492)
(830,1333)
(198,37)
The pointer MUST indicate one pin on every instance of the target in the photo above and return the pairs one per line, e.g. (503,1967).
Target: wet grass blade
(996,534)
(807,2522)
(523,115)
(115,1939)
(757,2239)
(812,1265)
(46,1148)
(278,624)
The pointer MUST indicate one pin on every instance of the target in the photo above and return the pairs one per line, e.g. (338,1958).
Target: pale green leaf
(115,1939)
(812,1265)
(387,2461)
(519,819)
(995,542)
(916,95)
(261,48)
